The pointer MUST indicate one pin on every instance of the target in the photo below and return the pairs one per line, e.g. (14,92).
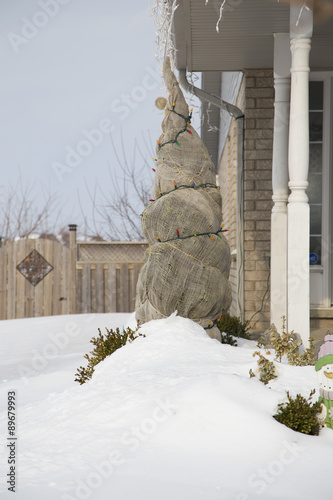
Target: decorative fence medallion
(34,267)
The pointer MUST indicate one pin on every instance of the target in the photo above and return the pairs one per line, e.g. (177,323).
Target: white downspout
(236,113)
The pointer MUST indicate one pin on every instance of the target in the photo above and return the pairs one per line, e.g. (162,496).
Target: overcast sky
(72,72)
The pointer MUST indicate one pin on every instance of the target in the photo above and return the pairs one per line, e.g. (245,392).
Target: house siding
(256,99)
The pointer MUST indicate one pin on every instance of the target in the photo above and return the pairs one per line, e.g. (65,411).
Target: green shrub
(306,358)
(299,414)
(231,326)
(285,343)
(281,342)
(266,368)
(226,338)
(104,346)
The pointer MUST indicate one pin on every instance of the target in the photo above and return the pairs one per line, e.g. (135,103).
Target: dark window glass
(316,158)
(316,126)
(316,95)
(315,220)
(315,188)
(314,191)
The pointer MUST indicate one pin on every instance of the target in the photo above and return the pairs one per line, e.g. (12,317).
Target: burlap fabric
(188,261)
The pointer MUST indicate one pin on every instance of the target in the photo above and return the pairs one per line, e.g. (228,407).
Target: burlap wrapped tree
(188,261)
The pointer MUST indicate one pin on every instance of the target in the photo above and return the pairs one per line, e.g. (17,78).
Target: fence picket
(86,289)
(99,287)
(111,289)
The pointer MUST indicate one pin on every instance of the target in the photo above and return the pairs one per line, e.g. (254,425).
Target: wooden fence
(106,276)
(20,295)
(41,277)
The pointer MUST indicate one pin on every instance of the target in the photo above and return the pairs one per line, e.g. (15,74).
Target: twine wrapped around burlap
(188,261)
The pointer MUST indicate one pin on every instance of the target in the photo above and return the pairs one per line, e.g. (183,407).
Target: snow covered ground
(172,416)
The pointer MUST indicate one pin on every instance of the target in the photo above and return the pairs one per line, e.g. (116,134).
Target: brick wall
(256,99)
(258,150)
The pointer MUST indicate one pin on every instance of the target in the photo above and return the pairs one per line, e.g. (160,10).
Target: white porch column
(282,61)
(298,207)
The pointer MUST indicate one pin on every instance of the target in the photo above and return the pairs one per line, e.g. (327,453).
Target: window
(314,191)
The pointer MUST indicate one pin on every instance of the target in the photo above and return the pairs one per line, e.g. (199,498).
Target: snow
(172,415)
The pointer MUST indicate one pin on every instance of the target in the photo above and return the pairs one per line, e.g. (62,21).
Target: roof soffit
(245,39)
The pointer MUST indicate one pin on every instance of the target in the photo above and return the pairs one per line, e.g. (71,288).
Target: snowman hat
(325,354)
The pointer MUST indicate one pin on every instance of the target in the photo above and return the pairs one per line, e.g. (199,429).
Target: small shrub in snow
(306,358)
(104,346)
(226,338)
(300,414)
(281,342)
(266,368)
(231,326)
(285,343)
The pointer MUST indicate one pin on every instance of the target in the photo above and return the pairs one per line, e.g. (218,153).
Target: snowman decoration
(324,369)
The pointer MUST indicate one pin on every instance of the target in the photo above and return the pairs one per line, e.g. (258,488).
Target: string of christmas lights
(184,186)
(211,324)
(178,237)
(187,120)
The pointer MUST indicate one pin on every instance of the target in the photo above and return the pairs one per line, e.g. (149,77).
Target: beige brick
(265,205)
(249,266)
(262,235)
(265,103)
(250,123)
(254,255)
(264,144)
(249,154)
(260,93)
(264,123)
(256,296)
(249,285)
(248,245)
(250,103)
(265,82)
(259,134)
(249,306)
(263,245)
(260,114)
(249,82)
(257,195)
(263,184)
(262,265)
(249,225)
(264,165)
(256,275)
(257,174)
(261,285)
(266,305)
(255,154)
(249,205)
(249,235)
(259,295)
(250,254)
(248,185)
(249,144)
(263,225)
(257,215)
(250,164)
